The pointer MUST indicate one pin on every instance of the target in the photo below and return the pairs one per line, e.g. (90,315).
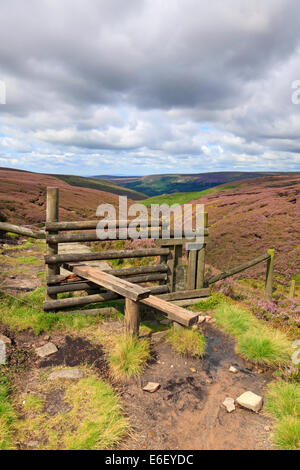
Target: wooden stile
(52,248)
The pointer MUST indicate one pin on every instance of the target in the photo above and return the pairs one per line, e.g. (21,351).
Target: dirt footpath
(186,412)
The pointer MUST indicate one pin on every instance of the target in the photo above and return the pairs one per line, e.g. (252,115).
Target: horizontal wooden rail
(52,305)
(104,255)
(156,268)
(89,225)
(92,311)
(92,236)
(27,232)
(237,269)
(79,286)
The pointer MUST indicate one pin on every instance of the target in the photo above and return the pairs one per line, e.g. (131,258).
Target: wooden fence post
(269,275)
(52,248)
(292,289)
(132,317)
(201,260)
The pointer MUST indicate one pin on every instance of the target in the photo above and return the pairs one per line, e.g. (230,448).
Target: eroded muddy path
(186,412)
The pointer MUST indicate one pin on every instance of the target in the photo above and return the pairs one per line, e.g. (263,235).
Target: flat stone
(295,344)
(228,404)
(151,387)
(5,339)
(46,350)
(233,369)
(164,322)
(2,352)
(251,401)
(201,319)
(66,374)
(296,357)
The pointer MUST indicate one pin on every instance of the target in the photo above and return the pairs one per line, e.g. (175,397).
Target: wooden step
(174,312)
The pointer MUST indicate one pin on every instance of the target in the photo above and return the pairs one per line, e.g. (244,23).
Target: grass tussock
(128,357)
(7,417)
(186,341)
(283,403)
(255,341)
(94,421)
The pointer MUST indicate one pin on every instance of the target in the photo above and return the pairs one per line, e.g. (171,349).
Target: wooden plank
(237,269)
(174,312)
(27,232)
(187,302)
(192,269)
(104,255)
(90,236)
(178,241)
(201,260)
(186,294)
(118,285)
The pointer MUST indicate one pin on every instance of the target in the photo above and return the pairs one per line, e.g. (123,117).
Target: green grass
(187,341)
(255,341)
(183,198)
(128,357)
(95,420)
(20,316)
(7,416)
(283,403)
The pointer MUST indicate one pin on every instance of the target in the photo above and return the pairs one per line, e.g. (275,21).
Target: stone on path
(46,350)
(66,374)
(228,404)
(251,401)
(5,339)
(296,344)
(233,369)
(151,387)
(165,321)
(296,357)
(2,352)
(201,319)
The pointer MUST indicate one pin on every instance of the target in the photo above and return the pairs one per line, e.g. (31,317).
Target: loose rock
(2,352)
(201,319)
(233,369)
(66,374)
(151,387)
(296,344)
(228,404)
(251,401)
(46,350)
(165,321)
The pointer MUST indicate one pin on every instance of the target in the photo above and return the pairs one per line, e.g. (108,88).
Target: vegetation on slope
(186,341)
(101,185)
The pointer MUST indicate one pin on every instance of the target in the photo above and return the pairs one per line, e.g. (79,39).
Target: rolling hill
(154,185)
(101,185)
(258,214)
(23,197)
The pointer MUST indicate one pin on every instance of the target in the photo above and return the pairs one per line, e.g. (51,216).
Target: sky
(135,87)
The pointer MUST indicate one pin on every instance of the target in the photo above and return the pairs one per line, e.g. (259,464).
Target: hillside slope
(23,196)
(154,185)
(101,185)
(258,214)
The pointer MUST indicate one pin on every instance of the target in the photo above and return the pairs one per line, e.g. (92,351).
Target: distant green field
(183,198)
(101,185)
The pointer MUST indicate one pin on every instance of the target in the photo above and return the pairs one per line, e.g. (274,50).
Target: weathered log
(52,248)
(89,224)
(88,285)
(27,232)
(92,311)
(53,305)
(269,275)
(187,302)
(237,269)
(104,255)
